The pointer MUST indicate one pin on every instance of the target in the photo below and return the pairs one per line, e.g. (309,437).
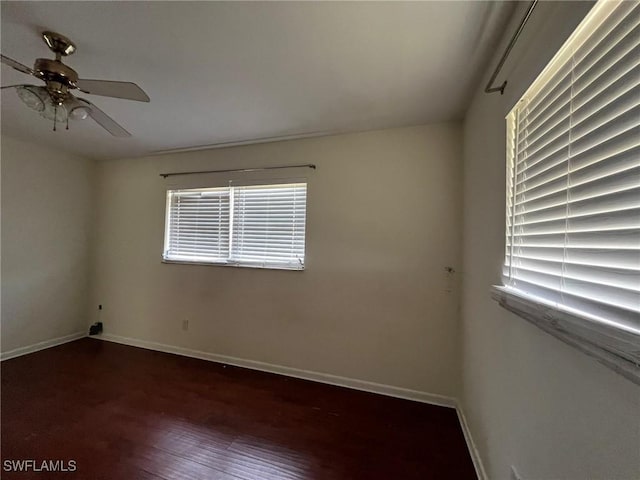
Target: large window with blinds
(573,180)
(249,226)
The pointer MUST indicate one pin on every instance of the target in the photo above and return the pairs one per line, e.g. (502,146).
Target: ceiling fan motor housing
(58,76)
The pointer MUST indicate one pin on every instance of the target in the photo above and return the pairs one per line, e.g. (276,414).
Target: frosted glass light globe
(54,112)
(79,113)
(32,98)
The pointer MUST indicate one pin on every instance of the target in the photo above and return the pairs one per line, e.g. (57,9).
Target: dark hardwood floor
(124,413)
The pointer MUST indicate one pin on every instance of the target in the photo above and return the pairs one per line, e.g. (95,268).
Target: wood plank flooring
(127,413)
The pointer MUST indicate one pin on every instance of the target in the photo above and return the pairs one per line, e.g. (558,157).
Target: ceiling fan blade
(18,85)
(104,120)
(107,88)
(17,65)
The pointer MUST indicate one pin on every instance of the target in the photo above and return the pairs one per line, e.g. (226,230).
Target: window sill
(236,265)
(617,348)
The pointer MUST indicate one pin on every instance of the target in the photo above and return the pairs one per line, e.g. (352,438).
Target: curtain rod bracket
(497,89)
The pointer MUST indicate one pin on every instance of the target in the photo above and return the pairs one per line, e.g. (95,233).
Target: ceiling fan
(54,101)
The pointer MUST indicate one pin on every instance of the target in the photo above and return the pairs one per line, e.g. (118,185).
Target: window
(573,186)
(248,226)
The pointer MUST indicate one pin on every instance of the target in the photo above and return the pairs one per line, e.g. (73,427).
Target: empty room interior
(320,240)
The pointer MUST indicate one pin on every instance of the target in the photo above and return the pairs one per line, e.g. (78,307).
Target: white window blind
(573,175)
(269,225)
(255,226)
(197,225)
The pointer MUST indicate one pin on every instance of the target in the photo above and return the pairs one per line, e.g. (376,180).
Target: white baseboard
(362,385)
(471,446)
(17,352)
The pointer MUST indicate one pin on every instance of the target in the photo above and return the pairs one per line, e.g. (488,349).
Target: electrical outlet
(514,474)
(185,325)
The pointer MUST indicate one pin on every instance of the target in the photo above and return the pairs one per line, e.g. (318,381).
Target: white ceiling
(236,71)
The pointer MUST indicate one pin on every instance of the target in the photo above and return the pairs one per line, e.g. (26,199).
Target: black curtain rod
(505,55)
(172,174)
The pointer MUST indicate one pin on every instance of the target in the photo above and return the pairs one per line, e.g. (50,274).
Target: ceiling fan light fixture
(33,98)
(39,99)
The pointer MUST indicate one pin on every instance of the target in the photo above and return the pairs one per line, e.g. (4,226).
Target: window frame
(610,343)
(229,261)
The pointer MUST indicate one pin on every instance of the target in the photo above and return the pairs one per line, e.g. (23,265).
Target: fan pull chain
(55,115)
(67,122)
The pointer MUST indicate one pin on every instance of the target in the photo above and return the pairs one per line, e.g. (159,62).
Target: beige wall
(46,223)
(374,302)
(530,400)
